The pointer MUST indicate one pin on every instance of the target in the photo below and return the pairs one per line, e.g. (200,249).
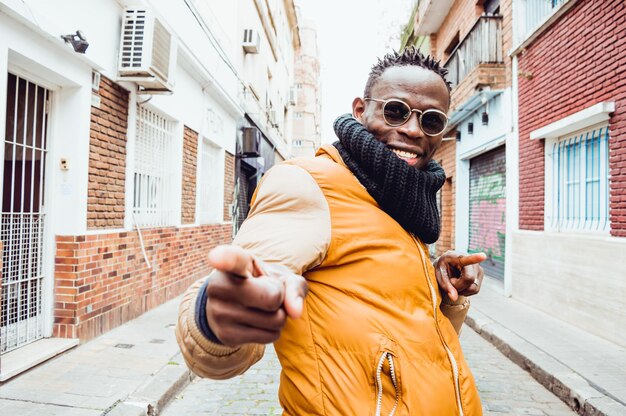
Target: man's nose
(412,127)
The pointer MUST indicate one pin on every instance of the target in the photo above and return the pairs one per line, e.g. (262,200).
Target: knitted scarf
(407,194)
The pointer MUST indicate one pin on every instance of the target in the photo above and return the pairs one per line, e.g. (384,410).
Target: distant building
(306,136)
(266,55)
(122,143)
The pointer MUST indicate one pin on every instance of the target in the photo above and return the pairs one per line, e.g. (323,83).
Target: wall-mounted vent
(251,41)
(147,52)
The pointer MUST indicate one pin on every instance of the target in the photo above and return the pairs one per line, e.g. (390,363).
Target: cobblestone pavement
(505,389)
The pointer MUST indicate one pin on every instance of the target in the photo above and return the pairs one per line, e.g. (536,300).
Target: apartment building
(124,125)
(568,249)
(307,112)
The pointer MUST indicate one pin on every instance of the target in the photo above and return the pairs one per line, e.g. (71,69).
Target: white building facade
(120,161)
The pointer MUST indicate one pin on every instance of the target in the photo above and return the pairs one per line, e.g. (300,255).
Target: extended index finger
(234,260)
(471,259)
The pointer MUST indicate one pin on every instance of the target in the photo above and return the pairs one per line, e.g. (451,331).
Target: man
(365,331)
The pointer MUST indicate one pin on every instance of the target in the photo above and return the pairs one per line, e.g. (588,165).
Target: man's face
(421,89)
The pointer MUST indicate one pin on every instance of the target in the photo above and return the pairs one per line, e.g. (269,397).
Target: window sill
(585,118)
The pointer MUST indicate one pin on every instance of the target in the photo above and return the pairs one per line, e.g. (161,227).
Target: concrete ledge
(28,356)
(156,392)
(561,380)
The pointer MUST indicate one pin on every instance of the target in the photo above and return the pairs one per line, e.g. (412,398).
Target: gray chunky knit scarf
(407,194)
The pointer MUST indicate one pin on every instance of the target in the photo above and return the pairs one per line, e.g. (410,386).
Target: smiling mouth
(403,154)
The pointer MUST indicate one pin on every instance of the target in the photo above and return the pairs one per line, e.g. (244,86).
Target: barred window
(154,198)
(577,194)
(210,183)
(535,12)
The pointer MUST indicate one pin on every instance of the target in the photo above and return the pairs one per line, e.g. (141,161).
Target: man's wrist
(200,316)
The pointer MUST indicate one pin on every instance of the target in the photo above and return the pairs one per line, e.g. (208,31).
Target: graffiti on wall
(488,210)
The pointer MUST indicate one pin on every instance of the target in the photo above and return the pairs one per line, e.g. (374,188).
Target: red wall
(102,281)
(578,62)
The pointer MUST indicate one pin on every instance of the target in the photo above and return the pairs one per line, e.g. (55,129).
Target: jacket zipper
(433,296)
(379,382)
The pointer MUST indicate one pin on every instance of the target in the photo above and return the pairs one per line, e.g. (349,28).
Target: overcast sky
(351,34)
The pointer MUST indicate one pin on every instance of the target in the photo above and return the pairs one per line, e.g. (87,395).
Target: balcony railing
(536,11)
(483,44)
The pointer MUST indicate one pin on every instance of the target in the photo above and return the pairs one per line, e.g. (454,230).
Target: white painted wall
(206,93)
(576,278)
(484,139)
(256,67)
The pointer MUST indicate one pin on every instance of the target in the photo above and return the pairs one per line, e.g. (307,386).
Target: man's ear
(358,108)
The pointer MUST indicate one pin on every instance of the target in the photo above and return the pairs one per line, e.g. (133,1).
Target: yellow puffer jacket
(373,339)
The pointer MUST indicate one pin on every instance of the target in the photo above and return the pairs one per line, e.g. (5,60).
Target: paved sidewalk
(504,388)
(125,372)
(587,372)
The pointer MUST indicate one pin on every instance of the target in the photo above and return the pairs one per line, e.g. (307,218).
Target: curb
(156,392)
(583,397)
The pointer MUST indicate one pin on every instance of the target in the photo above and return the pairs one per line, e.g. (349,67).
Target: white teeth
(404,154)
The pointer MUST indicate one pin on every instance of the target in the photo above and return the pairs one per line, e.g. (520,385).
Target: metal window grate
(580,182)
(537,11)
(23,217)
(153,173)
(210,186)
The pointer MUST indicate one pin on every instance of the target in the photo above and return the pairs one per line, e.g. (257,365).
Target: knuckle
(279,319)
(272,297)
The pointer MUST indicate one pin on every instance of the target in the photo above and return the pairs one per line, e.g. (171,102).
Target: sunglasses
(396,112)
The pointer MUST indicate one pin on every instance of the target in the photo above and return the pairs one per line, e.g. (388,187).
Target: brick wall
(506,10)
(574,65)
(229,184)
(460,19)
(107,157)
(446,156)
(102,281)
(491,75)
(190,166)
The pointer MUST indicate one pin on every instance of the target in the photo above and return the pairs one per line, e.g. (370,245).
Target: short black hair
(410,56)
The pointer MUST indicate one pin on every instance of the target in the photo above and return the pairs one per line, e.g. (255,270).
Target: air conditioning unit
(147,52)
(250,142)
(293,96)
(251,41)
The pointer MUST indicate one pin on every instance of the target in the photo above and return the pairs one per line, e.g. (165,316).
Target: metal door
(487,227)
(23,214)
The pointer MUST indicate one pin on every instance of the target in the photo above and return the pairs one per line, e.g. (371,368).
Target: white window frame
(210,182)
(594,118)
(154,169)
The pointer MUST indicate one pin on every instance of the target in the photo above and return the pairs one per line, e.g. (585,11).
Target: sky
(351,35)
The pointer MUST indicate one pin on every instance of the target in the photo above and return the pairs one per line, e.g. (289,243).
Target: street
(505,389)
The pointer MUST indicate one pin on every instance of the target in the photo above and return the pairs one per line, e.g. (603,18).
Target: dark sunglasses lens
(433,122)
(396,112)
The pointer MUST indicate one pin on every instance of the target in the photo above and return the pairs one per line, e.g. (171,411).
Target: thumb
(443,278)
(296,288)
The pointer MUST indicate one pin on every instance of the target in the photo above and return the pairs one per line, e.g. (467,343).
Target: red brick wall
(229,184)
(461,17)
(102,281)
(190,167)
(575,64)
(107,157)
(446,156)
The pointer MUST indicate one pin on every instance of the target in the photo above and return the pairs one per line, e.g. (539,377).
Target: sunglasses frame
(420,113)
